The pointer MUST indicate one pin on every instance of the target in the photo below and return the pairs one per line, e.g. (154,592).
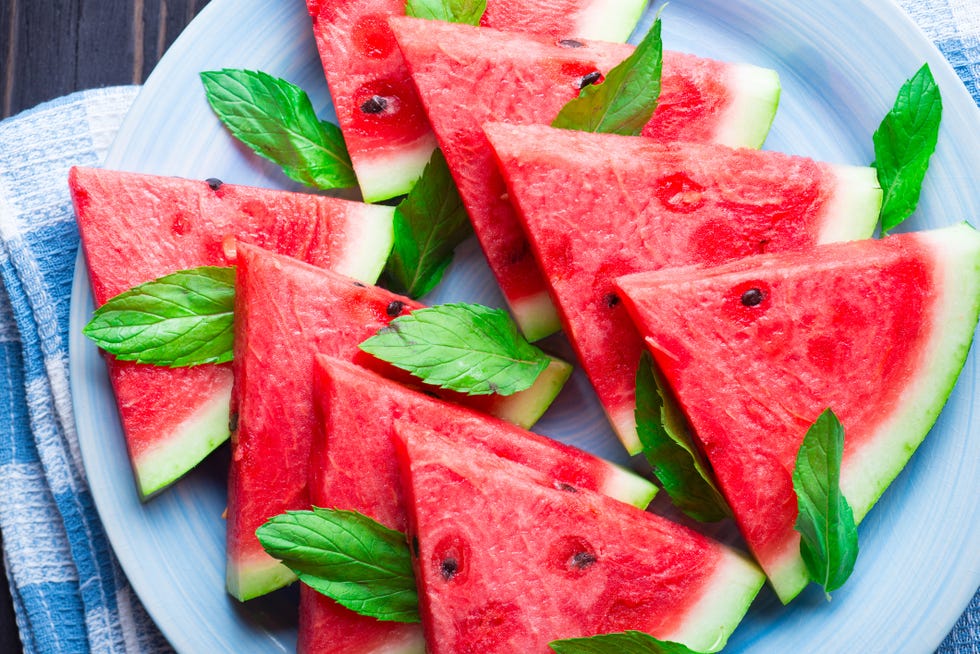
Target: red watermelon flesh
(353,467)
(876,330)
(598,206)
(507,562)
(326,627)
(467,76)
(285,312)
(384,126)
(137,227)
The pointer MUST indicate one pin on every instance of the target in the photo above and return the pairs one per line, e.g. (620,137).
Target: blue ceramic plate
(841,64)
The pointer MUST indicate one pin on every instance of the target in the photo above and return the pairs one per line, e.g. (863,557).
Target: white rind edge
(869,471)
(393,172)
(536,315)
(755,98)
(191,441)
(263,575)
(526,407)
(602,20)
(852,212)
(726,599)
(370,236)
(629,487)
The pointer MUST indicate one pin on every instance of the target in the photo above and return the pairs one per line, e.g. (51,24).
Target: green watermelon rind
(536,315)
(755,99)
(738,580)
(245,581)
(855,205)
(609,20)
(368,246)
(526,407)
(192,441)
(383,176)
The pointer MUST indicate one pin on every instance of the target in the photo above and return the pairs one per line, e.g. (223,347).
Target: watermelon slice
(285,312)
(877,330)
(354,468)
(597,206)
(137,227)
(386,131)
(467,76)
(507,562)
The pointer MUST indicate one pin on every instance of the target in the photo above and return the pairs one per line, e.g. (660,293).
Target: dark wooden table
(52,47)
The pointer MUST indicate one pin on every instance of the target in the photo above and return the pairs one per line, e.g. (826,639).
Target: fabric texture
(68,591)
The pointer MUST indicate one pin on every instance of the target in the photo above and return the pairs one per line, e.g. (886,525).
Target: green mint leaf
(467,348)
(348,557)
(181,319)
(625,101)
(452,11)
(904,142)
(429,223)
(669,448)
(276,120)
(829,543)
(626,642)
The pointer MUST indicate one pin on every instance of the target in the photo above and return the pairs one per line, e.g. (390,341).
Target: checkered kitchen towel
(69,593)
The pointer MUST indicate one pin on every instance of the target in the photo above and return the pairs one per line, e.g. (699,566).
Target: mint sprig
(467,348)
(356,561)
(276,120)
(625,101)
(452,11)
(626,642)
(429,223)
(903,144)
(829,542)
(182,319)
(669,448)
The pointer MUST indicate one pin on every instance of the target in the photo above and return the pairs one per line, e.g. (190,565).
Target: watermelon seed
(375,104)
(571,43)
(568,488)
(214,183)
(592,78)
(233,421)
(753,297)
(395,307)
(449,568)
(415,546)
(611,300)
(582,560)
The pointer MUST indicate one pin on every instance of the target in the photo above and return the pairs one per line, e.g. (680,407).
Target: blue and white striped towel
(69,593)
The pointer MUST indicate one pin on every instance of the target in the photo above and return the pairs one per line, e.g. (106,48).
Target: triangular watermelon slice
(136,227)
(876,330)
(597,206)
(467,76)
(353,467)
(385,129)
(507,562)
(285,312)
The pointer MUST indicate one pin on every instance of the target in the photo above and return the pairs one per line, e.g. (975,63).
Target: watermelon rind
(384,175)
(526,407)
(191,441)
(536,315)
(248,580)
(857,200)
(869,471)
(370,240)
(741,580)
(755,99)
(609,20)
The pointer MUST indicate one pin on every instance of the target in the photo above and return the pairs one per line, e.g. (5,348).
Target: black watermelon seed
(571,43)
(233,421)
(359,285)
(611,300)
(589,79)
(395,307)
(214,183)
(375,104)
(415,546)
(568,488)
(449,568)
(753,297)
(583,560)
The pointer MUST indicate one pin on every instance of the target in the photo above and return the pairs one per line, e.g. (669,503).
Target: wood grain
(52,47)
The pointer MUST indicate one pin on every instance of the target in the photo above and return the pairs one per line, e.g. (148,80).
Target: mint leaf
(828,544)
(669,448)
(452,11)
(429,223)
(181,319)
(626,642)
(348,557)
(276,120)
(467,348)
(904,142)
(625,101)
